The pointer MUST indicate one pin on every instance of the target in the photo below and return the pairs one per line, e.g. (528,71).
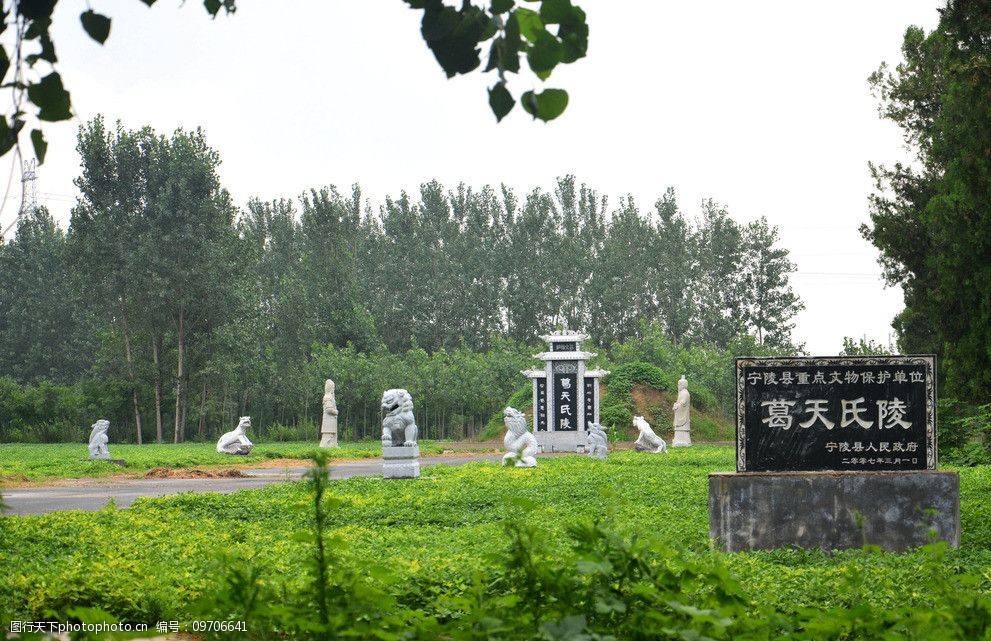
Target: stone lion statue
(521,445)
(597,441)
(98,440)
(399,425)
(648,441)
(235,441)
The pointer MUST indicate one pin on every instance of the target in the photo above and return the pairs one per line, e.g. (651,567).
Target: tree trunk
(158,389)
(178,435)
(130,373)
(201,432)
(185,409)
(223,405)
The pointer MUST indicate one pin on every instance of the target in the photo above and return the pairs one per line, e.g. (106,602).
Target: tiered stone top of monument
(565,346)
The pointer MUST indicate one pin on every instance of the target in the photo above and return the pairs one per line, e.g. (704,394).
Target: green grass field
(152,561)
(37,463)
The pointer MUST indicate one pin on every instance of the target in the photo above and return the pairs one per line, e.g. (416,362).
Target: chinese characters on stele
(842,413)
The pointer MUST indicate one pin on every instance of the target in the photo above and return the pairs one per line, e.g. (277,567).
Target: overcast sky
(762,106)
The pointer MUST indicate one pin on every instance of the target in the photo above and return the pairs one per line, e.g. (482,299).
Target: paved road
(91,495)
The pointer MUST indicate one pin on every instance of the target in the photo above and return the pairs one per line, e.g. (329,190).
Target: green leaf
(35,9)
(40,145)
(545,53)
(529,22)
(575,41)
(501,101)
(212,6)
(453,35)
(8,136)
(51,98)
(504,56)
(38,30)
(96,25)
(148,2)
(4,63)
(546,105)
(502,6)
(560,12)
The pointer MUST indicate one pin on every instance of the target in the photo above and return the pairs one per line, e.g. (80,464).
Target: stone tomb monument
(833,452)
(400,452)
(328,427)
(565,394)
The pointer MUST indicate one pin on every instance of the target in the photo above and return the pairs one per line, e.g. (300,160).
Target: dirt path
(93,494)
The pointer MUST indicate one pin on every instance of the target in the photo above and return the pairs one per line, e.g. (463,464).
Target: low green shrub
(522,399)
(303,431)
(588,578)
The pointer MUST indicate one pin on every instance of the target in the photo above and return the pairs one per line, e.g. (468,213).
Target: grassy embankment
(30,463)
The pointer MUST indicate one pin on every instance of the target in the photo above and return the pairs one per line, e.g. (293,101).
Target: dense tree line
(203,312)
(931,217)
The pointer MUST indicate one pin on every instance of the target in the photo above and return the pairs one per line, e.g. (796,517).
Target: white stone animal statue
(98,440)
(235,441)
(598,446)
(399,425)
(521,445)
(648,441)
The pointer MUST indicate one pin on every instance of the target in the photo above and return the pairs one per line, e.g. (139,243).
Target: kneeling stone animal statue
(398,426)
(235,441)
(598,442)
(98,441)
(521,445)
(648,441)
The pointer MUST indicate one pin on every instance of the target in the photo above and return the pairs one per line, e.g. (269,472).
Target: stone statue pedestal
(682,438)
(401,462)
(832,510)
(570,441)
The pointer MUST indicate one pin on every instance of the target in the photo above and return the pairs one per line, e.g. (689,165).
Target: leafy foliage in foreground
(615,548)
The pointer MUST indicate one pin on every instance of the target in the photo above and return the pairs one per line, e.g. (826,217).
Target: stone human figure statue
(648,441)
(98,440)
(521,445)
(328,427)
(682,416)
(235,441)
(597,441)
(399,425)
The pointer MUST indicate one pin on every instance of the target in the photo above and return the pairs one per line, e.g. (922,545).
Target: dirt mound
(172,473)
(13,479)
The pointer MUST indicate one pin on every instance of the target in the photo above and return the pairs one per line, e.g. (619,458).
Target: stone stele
(98,440)
(682,416)
(648,441)
(597,441)
(521,445)
(328,428)
(400,452)
(235,441)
